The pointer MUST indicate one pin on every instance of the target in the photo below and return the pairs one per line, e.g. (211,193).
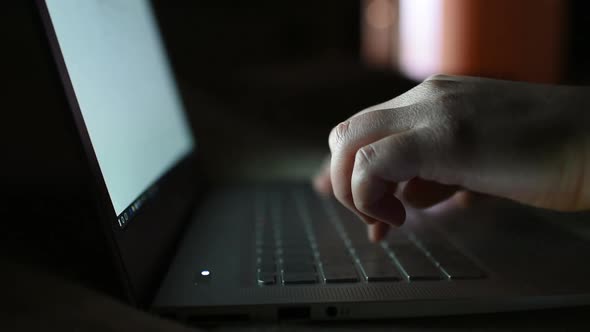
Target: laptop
(273,251)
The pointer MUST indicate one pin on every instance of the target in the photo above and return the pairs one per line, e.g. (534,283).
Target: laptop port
(331,311)
(294,313)
(217,318)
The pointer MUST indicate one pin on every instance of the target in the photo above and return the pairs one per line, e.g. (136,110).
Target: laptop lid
(133,126)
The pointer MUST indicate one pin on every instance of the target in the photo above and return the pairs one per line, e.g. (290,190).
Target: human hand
(525,142)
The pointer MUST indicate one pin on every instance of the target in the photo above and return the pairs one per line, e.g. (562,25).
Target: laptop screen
(126,92)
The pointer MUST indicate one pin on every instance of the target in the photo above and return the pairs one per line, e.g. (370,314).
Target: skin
(526,142)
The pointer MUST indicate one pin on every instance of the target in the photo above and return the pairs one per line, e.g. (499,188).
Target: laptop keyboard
(304,239)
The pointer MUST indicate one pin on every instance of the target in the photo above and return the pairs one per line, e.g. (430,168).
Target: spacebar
(340,274)
(297,278)
(416,264)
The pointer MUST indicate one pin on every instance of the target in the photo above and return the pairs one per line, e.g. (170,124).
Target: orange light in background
(519,40)
(379,14)
(511,39)
(379,32)
(421,37)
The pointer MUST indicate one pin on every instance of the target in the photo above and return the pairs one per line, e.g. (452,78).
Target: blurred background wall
(320,61)
(523,40)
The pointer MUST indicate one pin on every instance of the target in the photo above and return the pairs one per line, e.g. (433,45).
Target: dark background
(287,68)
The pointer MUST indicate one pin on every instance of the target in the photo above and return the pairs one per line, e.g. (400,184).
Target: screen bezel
(143,249)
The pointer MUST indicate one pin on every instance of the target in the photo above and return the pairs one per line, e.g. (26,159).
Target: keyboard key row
(315,245)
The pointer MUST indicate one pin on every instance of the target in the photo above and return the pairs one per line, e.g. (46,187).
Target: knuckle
(338,135)
(440,84)
(436,77)
(364,157)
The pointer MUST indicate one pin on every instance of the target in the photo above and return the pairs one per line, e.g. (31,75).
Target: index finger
(348,137)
